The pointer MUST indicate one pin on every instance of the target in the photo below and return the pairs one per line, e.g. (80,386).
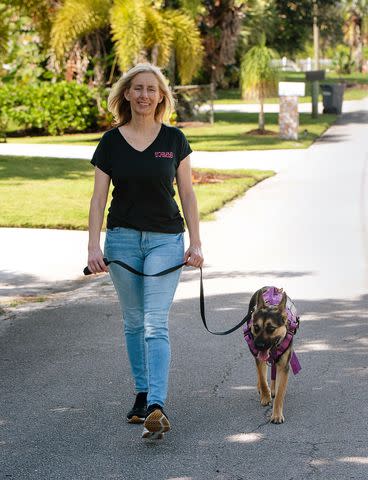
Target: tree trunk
(154,55)
(261,117)
(357,55)
(220,27)
(172,71)
(353,36)
(77,63)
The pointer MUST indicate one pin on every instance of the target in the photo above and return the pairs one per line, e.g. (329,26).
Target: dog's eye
(256,328)
(270,329)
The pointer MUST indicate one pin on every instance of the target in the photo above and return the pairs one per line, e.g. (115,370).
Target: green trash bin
(333,95)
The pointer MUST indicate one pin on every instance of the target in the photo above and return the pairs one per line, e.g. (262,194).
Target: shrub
(342,62)
(54,108)
(189,100)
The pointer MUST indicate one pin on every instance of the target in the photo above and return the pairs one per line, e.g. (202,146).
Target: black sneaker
(156,423)
(139,411)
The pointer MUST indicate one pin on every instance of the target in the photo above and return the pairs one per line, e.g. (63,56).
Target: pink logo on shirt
(164,154)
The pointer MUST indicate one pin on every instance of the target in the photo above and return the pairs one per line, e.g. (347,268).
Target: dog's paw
(277,418)
(266,399)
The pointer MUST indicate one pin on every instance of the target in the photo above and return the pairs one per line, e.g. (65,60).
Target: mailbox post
(289,114)
(315,76)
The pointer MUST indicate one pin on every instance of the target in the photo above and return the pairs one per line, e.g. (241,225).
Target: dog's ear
(282,304)
(260,300)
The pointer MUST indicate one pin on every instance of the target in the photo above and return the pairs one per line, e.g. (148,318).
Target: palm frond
(4,32)
(76,18)
(187,44)
(257,77)
(193,7)
(158,34)
(127,18)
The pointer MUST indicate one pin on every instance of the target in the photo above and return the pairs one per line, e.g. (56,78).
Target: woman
(142,156)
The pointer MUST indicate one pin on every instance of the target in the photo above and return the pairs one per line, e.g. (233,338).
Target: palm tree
(140,31)
(221,23)
(257,76)
(356,21)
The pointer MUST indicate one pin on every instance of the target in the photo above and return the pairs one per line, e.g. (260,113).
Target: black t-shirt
(143,194)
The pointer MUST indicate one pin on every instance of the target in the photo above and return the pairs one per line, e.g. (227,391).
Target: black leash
(202,308)
(87,271)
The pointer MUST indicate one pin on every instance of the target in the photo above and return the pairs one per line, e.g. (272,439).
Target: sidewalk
(276,160)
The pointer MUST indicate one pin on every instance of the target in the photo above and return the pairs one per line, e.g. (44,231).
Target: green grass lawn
(356,88)
(229,132)
(55,193)
(89,139)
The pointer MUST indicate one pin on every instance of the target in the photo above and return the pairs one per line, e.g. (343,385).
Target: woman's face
(144,94)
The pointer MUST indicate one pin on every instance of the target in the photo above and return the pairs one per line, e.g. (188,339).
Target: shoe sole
(156,424)
(147,435)
(135,419)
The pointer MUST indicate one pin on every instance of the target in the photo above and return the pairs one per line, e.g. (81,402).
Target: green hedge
(54,108)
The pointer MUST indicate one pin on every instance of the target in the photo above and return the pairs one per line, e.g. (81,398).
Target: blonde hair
(119,106)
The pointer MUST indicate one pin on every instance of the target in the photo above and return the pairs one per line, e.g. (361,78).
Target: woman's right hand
(95,260)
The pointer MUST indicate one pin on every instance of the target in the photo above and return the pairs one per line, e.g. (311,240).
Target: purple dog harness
(272,296)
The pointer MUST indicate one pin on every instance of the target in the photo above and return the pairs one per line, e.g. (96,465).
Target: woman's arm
(193,256)
(96,216)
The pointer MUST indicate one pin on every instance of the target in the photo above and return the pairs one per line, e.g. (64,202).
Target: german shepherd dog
(269,326)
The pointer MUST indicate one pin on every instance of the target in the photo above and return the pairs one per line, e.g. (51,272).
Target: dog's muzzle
(262,346)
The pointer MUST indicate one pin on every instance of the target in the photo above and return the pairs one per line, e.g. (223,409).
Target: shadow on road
(192,273)
(332,138)
(14,285)
(360,116)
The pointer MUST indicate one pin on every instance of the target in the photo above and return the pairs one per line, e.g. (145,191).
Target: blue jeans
(146,301)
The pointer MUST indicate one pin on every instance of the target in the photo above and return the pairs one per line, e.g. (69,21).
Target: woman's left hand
(194,256)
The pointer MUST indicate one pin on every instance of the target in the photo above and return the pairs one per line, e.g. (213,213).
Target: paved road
(65,379)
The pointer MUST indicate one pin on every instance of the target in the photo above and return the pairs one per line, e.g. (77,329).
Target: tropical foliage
(140,31)
(220,24)
(342,61)
(4,31)
(258,77)
(91,42)
(24,60)
(356,28)
(40,11)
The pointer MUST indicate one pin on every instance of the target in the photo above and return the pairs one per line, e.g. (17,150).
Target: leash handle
(87,271)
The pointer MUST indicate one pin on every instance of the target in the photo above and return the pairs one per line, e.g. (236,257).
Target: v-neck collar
(131,146)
